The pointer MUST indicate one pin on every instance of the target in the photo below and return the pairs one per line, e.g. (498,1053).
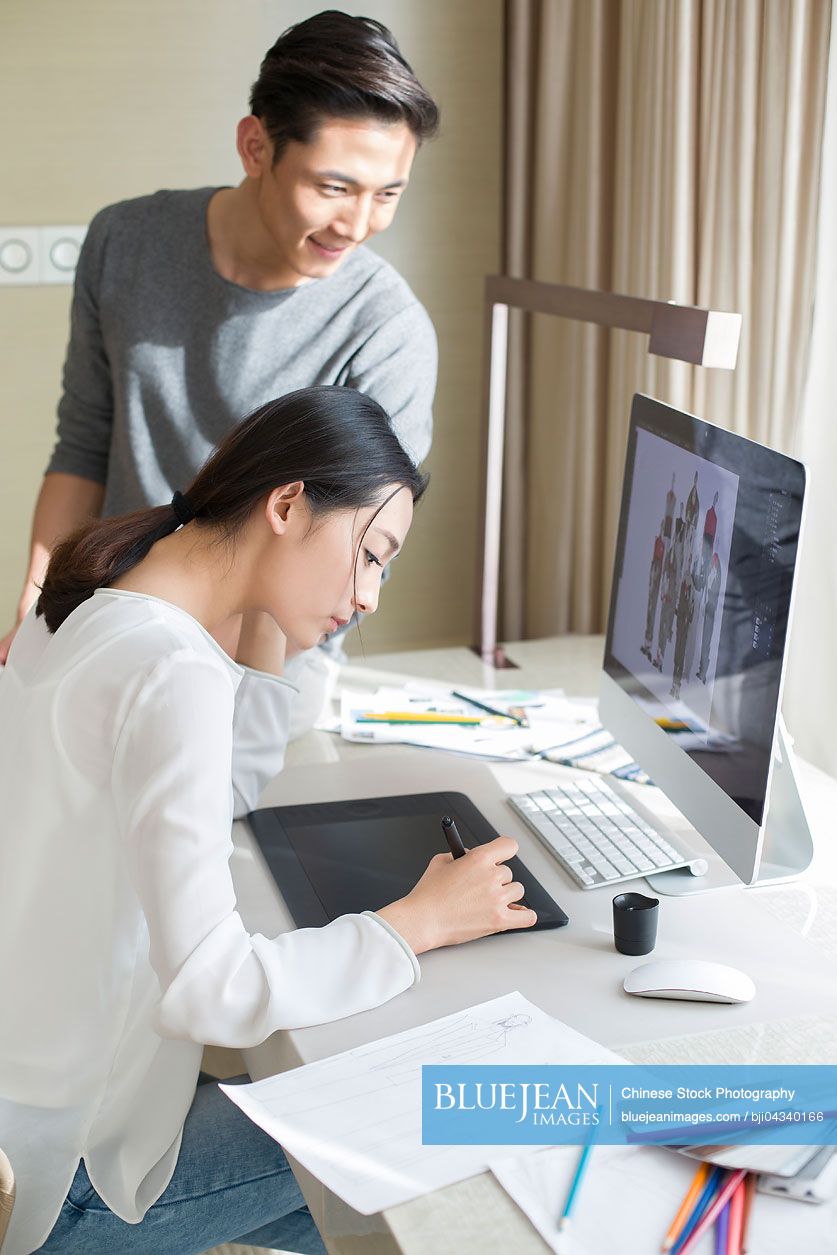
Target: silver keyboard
(595,835)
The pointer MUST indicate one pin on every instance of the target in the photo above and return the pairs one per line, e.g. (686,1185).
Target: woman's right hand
(461,899)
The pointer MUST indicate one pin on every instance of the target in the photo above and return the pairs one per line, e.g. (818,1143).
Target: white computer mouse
(691,979)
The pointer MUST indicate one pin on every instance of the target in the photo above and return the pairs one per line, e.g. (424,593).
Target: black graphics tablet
(339,858)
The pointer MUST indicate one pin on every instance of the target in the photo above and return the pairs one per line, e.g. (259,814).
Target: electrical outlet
(18,255)
(58,250)
(39,254)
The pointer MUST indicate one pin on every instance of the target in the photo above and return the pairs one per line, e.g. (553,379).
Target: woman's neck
(194,572)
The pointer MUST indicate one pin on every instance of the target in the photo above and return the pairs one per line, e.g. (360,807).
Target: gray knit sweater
(165,355)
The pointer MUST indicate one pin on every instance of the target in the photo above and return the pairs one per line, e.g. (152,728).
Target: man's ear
(254,146)
(283,504)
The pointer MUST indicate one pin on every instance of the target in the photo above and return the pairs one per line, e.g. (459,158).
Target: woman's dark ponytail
(96,555)
(338,441)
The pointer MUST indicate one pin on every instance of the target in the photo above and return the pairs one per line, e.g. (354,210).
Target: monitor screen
(705,556)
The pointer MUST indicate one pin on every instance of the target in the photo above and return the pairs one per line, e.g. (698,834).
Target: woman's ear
(284,505)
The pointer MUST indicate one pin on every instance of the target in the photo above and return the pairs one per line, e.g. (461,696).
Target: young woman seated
(130,741)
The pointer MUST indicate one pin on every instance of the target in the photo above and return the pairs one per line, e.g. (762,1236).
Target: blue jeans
(232,1183)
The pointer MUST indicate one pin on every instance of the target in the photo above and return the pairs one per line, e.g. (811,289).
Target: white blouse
(128,742)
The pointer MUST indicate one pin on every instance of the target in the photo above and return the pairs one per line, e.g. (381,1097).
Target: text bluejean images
(623,1104)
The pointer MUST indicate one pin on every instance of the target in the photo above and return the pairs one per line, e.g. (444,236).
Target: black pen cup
(635,923)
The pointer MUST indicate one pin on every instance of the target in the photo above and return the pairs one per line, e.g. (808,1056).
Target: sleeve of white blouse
(261,730)
(218,984)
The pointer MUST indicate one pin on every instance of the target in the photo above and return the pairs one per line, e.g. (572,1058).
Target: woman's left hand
(262,644)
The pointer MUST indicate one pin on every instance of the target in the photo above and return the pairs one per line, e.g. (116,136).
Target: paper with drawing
(354,1120)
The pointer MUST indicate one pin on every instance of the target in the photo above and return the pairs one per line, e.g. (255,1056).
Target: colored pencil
(572,1194)
(722,1230)
(724,1194)
(672,725)
(519,719)
(701,1206)
(404,716)
(698,1182)
(750,1182)
(735,1207)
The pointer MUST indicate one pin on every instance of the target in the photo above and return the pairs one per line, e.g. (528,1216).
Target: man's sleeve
(397,366)
(85,411)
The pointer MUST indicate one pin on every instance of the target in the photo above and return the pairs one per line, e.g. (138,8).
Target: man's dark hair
(337,66)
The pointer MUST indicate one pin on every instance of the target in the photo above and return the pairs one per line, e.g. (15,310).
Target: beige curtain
(811,686)
(662,148)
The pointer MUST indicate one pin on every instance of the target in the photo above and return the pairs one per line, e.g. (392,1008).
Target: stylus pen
(451,835)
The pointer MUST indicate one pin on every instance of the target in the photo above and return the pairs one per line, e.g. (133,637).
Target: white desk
(574,973)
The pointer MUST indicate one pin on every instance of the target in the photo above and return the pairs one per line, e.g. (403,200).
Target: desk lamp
(705,337)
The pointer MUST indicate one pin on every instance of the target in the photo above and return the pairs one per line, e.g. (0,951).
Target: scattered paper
(628,1199)
(552,720)
(559,729)
(354,1120)
(798,1039)
(489,740)
(793,1039)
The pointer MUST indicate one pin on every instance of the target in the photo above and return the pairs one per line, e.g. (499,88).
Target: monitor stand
(787,847)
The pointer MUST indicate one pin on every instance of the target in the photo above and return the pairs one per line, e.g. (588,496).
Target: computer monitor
(697,635)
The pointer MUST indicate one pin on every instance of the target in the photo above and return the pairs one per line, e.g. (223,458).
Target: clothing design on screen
(683,586)
(674,568)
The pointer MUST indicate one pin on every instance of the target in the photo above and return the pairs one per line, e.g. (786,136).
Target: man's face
(323,199)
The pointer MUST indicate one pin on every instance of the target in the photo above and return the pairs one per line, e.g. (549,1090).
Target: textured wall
(102,99)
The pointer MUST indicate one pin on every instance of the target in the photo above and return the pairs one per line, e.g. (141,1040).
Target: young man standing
(191,308)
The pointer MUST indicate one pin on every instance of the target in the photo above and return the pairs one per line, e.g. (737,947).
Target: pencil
(491,710)
(672,725)
(702,1204)
(750,1182)
(698,1182)
(724,1194)
(722,1230)
(735,1207)
(405,716)
(572,1194)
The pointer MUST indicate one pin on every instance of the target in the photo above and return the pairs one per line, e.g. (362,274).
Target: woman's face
(324,569)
